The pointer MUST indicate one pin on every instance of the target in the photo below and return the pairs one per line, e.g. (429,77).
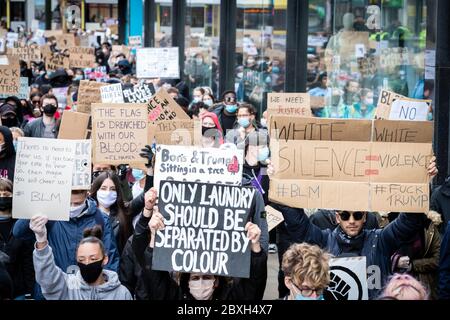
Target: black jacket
(378,245)
(19,256)
(36,128)
(8,157)
(161,286)
(440,202)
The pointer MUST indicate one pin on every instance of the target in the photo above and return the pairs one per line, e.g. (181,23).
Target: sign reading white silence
(193,164)
(43,178)
(157,63)
(204,229)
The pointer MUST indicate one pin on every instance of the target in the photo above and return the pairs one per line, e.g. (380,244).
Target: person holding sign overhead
(194,286)
(90,282)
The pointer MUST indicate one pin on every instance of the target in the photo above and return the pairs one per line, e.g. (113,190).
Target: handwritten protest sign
(10,76)
(88,93)
(403,131)
(26,53)
(81,179)
(348,279)
(157,63)
(66,41)
(409,110)
(385,100)
(55,61)
(43,178)
(81,57)
(209,165)
(112,93)
(23,90)
(293,104)
(139,94)
(172,132)
(327,174)
(273,217)
(119,132)
(75,125)
(99,74)
(204,229)
(163,107)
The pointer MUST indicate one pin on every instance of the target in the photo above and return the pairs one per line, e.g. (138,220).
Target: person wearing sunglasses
(227,111)
(350,238)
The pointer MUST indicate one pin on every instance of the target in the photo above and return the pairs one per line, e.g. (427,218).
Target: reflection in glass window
(163,24)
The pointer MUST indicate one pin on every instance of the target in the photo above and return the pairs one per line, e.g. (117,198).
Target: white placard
(11,37)
(273,217)
(157,63)
(193,164)
(81,179)
(2,45)
(112,93)
(409,110)
(43,178)
(348,279)
(360,50)
(135,41)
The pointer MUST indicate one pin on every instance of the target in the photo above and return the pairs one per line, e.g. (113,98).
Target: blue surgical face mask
(78,77)
(209,103)
(275,69)
(231,108)
(263,154)
(138,174)
(298,296)
(196,99)
(244,122)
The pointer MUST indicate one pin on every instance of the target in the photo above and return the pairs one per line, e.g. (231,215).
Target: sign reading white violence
(204,229)
(43,178)
(157,63)
(348,279)
(82,170)
(409,110)
(112,93)
(208,165)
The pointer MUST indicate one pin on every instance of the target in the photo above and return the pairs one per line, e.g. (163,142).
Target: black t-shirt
(227,122)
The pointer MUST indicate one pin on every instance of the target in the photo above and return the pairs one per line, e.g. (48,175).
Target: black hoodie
(7,157)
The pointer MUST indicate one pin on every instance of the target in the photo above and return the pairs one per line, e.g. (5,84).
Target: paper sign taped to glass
(382,169)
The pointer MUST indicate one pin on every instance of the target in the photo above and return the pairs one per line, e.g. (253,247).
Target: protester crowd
(105,250)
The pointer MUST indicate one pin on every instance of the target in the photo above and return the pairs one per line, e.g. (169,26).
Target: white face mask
(106,198)
(76,211)
(201,289)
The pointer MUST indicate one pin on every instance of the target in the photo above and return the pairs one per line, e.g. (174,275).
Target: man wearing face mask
(90,282)
(15,253)
(46,126)
(63,236)
(226,111)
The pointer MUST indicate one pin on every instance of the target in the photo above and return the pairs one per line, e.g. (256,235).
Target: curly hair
(304,262)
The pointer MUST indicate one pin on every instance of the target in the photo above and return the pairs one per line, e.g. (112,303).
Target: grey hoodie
(57,285)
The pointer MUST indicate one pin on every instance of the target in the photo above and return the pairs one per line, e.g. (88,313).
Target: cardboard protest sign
(81,179)
(75,125)
(43,178)
(52,33)
(403,131)
(409,110)
(305,128)
(26,53)
(81,57)
(139,94)
(208,165)
(157,63)
(99,74)
(172,132)
(293,104)
(348,279)
(10,76)
(204,229)
(119,132)
(55,61)
(112,93)
(163,107)
(88,93)
(273,217)
(23,90)
(385,100)
(328,174)
(66,41)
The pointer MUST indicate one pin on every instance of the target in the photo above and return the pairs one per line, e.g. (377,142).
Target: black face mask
(5,203)
(90,272)
(9,122)
(50,109)
(209,132)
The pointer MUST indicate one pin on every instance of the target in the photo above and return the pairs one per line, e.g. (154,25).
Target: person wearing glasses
(226,111)
(306,272)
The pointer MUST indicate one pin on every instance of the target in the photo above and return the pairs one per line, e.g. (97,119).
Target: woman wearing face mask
(208,99)
(7,154)
(17,254)
(364,109)
(108,194)
(90,282)
(211,131)
(47,126)
(194,286)
(306,272)
(16,132)
(139,177)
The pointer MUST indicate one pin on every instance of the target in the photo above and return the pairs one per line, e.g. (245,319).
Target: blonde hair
(304,262)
